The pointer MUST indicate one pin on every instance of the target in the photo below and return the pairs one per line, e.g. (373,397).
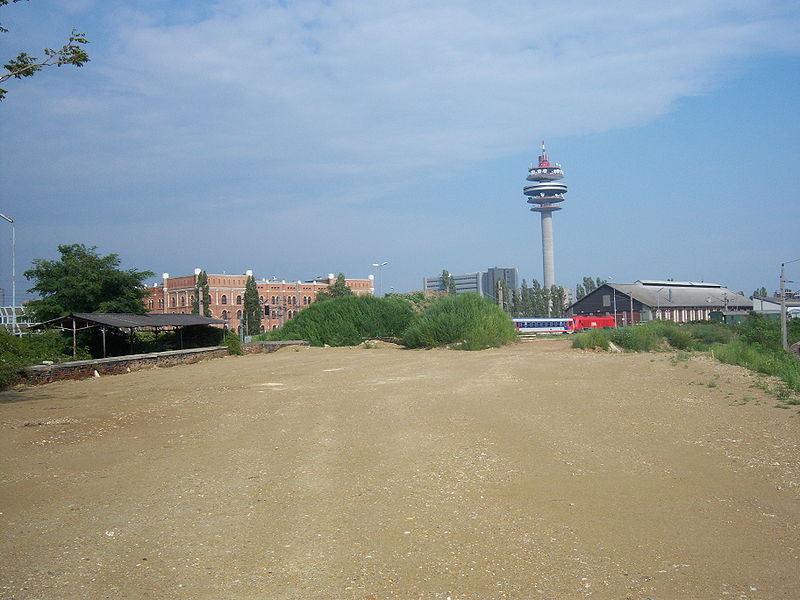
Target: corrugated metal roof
(681,295)
(131,320)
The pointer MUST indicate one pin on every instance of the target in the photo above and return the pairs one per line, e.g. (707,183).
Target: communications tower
(545,194)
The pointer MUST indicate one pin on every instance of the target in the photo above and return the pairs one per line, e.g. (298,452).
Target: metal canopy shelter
(75,322)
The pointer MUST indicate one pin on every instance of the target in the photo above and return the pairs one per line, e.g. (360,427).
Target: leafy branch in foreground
(25,65)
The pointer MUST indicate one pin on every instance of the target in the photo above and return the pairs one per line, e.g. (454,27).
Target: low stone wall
(84,369)
(257,347)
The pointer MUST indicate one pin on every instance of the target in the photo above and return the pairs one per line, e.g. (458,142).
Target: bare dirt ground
(531,472)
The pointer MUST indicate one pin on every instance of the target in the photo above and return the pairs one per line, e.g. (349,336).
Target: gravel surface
(533,472)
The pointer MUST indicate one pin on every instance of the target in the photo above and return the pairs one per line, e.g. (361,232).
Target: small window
(238,299)
(606,299)
(239,314)
(224,299)
(183,300)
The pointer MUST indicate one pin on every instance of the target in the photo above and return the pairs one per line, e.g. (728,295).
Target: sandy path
(533,471)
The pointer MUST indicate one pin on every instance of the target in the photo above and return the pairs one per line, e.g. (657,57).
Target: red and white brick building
(280,300)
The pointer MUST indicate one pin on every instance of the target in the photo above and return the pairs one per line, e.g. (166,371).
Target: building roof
(132,321)
(790,302)
(677,294)
(669,294)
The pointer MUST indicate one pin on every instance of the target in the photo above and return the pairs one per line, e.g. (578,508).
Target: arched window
(160,303)
(238,299)
(224,299)
(239,315)
(266,311)
(261,299)
(225,314)
(183,300)
(172,301)
(149,304)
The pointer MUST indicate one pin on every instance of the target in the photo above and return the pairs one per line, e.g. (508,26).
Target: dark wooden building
(645,300)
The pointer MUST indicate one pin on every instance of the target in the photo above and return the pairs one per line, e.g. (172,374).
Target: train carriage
(552,326)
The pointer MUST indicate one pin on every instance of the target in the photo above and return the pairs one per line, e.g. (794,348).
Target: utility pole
(784,331)
(500,295)
(200,308)
(14,327)
(380,266)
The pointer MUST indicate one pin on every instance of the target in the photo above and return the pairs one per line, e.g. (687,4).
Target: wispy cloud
(293,112)
(355,93)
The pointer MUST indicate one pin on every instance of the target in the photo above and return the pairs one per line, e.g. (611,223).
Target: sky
(303,138)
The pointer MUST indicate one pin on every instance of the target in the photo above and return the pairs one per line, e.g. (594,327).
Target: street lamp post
(658,303)
(615,301)
(380,276)
(14,328)
(784,332)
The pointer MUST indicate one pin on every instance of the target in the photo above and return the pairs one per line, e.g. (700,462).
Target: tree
(448,282)
(502,296)
(558,299)
(252,308)
(588,286)
(25,65)
(84,281)
(201,287)
(760,293)
(338,289)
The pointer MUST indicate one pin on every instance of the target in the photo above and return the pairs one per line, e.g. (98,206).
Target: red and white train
(560,325)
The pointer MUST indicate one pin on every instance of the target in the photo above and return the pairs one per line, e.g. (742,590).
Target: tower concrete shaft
(545,194)
(548,265)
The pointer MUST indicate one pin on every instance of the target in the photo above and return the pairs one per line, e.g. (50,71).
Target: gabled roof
(677,294)
(790,302)
(133,321)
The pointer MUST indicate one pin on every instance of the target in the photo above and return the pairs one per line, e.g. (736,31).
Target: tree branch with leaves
(25,65)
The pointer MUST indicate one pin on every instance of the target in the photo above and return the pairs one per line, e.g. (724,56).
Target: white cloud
(365,90)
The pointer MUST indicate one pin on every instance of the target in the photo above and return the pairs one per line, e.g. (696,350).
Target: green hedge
(347,321)
(232,341)
(465,322)
(778,363)
(31,349)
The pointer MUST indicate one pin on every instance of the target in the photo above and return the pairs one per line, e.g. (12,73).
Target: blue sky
(301,138)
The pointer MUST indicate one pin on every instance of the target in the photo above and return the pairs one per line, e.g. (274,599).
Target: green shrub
(31,349)
(465,321)
(708,333)
(592,338)
(778,363)
(758,329)
(232,341)
(680,339)
(347,321)
(637,338)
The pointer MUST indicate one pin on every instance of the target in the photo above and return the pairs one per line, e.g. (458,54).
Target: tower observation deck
(545,193)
